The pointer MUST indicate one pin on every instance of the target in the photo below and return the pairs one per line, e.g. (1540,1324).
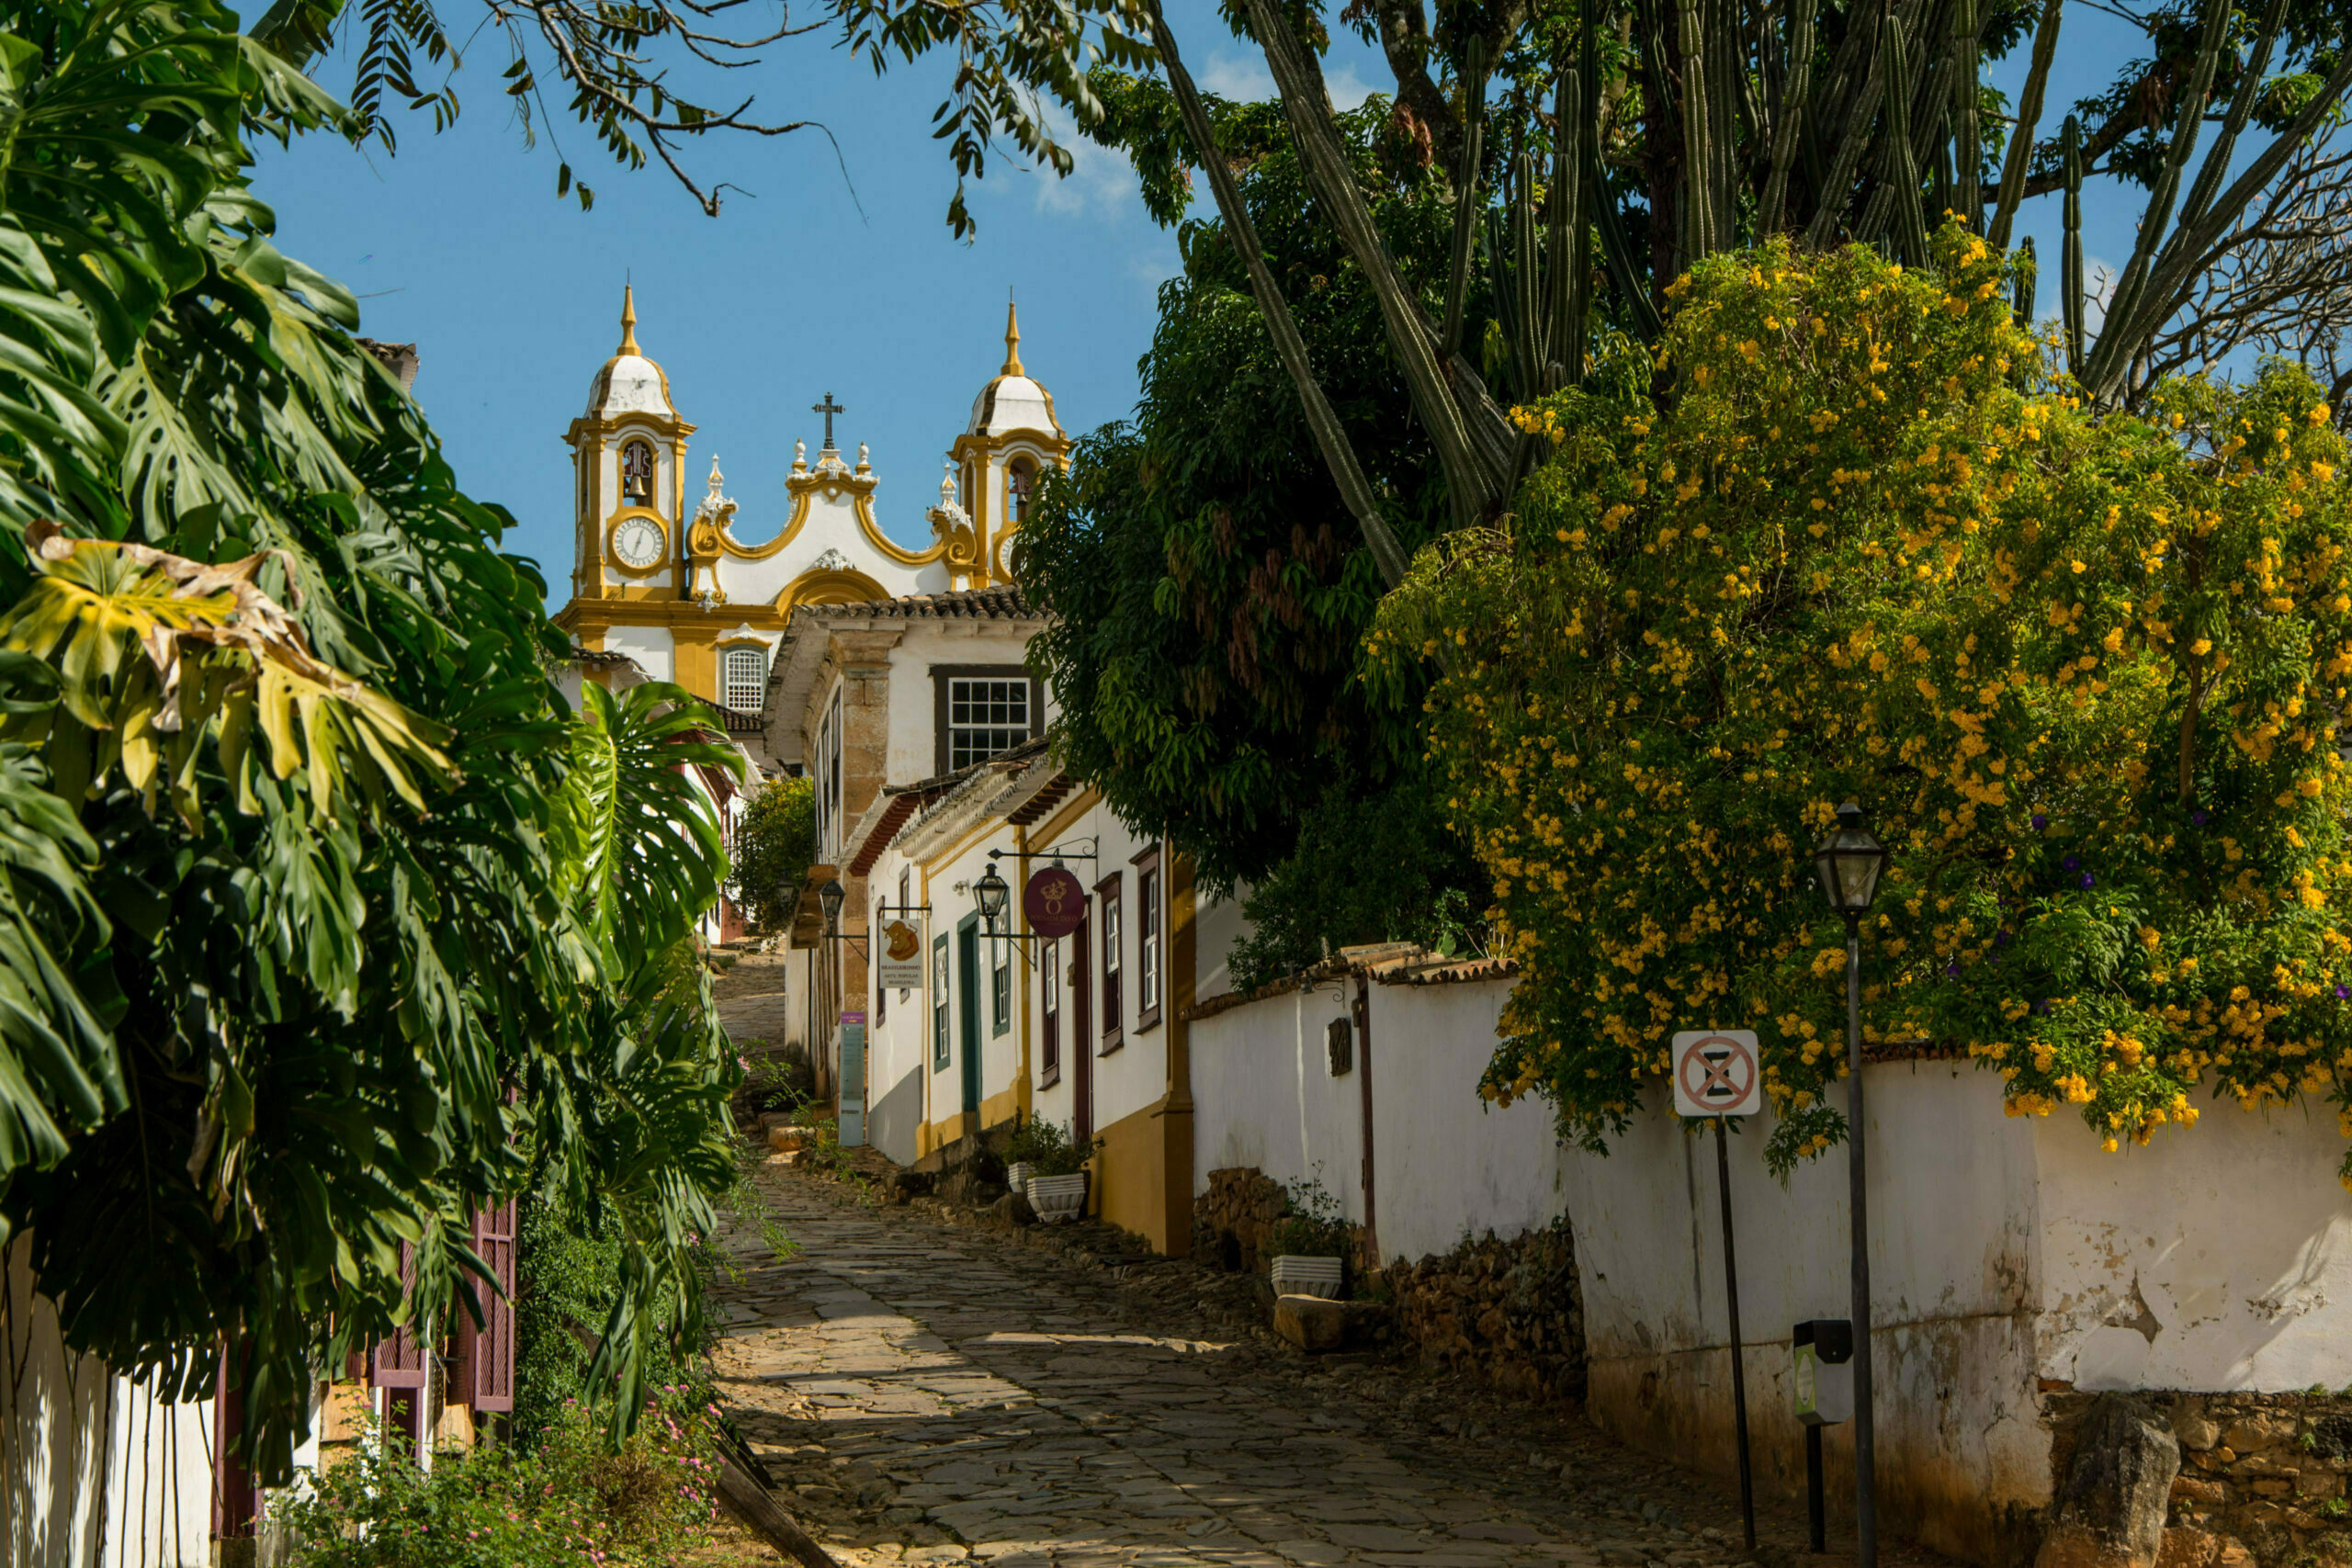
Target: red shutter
(484,1374)
(399,1361)
(235,1495)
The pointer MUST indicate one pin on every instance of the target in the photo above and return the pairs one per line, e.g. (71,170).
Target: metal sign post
(1715,1076)
(850,1133)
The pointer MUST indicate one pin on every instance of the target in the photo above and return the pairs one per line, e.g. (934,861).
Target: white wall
(1447,1165)
(1263,1096)
(649,645)
(2218,1256)
(94,1472)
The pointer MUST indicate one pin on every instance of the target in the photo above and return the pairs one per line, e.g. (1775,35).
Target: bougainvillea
(2085,672)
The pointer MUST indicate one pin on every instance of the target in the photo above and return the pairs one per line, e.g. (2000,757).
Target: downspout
(1363,1085)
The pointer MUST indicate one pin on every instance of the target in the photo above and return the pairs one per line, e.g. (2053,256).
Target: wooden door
(1081,1034)
(967,1007)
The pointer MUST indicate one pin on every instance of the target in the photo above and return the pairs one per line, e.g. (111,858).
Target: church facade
(690,590)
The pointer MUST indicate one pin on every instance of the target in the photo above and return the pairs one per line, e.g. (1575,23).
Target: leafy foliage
(323,922)
(1208,602)
(2084,673)
(774,846)
(616,63)
(1048,1148)
(570,1500)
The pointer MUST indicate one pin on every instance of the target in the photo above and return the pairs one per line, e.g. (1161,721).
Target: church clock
(636,542)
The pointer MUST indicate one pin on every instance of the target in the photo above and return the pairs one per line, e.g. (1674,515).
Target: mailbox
(1824,1349)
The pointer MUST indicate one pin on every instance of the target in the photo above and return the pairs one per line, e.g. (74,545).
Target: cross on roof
(827,408)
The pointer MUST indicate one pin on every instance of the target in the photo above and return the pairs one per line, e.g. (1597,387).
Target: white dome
(629,383)
(1012,402)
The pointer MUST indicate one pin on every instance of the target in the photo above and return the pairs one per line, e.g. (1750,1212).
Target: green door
(967,1001)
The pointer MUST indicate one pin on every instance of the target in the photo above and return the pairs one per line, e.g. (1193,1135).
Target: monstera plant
(324,922)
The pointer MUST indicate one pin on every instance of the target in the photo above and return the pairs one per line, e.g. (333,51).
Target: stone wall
(1508,1312)
(2262,1476)
(1234,1218)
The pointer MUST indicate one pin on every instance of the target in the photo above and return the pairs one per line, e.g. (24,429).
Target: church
(687,591)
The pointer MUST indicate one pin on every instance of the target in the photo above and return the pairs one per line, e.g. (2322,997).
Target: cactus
(2021,284)
(2070,257)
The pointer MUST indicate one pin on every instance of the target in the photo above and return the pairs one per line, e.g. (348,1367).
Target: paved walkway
(926,1392)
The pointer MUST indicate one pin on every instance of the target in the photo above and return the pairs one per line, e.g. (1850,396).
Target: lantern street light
(831,896)
(1849,860)
(991,893)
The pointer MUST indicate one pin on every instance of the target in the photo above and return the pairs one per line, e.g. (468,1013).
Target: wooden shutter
(236,1496)
(399,1361)
(483,1373)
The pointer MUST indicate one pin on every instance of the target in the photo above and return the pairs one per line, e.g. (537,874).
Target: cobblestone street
(926,1390)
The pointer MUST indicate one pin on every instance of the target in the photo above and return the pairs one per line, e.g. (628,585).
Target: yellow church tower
(629,454)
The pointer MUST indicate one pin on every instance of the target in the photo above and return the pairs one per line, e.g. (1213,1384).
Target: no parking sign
(1715,1073)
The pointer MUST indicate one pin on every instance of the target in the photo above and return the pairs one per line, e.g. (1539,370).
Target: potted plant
(1052,1170)
(1310,1244)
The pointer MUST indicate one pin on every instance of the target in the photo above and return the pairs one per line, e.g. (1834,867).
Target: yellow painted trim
(996,1110)
(828,587)
(803,488)
(1084,801)
(1130,1185)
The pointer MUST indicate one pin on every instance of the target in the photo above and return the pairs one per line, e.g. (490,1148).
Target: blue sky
(798,287)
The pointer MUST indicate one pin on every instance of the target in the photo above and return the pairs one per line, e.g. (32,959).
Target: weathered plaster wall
(1963,1456)
(1264,1097)
(2219,1256)
(1450,1167)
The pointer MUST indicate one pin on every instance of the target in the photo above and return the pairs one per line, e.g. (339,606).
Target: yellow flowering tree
(2084,672)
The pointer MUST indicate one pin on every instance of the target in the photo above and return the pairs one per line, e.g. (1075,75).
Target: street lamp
(831,896)
(991,893)
(1849,861)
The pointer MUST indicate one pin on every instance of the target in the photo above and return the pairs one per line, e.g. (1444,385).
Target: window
(1147,942)
(1049,972)
(985,717)
(637,474)
(984,709)
(1113,936)
(939,1005)
(743,685)
(1001,985)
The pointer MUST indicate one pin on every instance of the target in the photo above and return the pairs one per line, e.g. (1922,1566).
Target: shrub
(1313,1226)
(1047,1149)
(2083,670)
(571,1500)
(773,847)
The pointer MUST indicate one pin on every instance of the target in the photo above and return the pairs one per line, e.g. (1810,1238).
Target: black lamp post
(1849,861)
(991,893)
(831,897)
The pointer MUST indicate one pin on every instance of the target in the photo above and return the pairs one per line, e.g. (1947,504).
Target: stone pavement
(925,1392)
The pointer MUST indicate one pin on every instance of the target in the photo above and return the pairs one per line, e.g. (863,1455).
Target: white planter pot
(1016,1176)
(1058,1199)
(1296,1276)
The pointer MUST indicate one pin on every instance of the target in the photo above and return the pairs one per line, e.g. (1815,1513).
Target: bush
(567,1274)
(2084,670)
(1047,1149)
(774,846)
(570,1501)
(1313,1225)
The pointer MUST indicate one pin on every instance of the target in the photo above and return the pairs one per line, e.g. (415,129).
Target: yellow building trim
(1130,1188)
(1086,800)
(804,488)
(831,586)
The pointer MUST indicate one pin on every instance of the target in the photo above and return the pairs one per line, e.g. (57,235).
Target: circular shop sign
(1054,900)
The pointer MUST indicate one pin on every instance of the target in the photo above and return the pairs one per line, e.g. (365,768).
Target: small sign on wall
(1715,1073)
(852,1132)
(899,965)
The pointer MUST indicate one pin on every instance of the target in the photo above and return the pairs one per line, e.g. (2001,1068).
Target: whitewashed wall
(1263,1095)
(95,1473)
(1448,1165)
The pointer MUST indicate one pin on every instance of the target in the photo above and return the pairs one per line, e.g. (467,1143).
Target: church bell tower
(629,453)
